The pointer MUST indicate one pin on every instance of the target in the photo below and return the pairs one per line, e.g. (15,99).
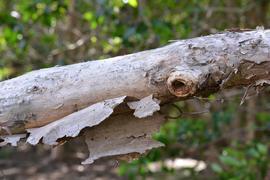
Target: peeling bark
(122,134)
(193,67)
(11,139)
(145,107)
(186,68)
(61,101)
(70,126)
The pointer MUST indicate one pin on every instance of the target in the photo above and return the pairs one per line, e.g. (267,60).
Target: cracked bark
(186,68)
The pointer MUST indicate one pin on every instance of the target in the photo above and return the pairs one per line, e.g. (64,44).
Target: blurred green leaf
(133,3)
(216,168)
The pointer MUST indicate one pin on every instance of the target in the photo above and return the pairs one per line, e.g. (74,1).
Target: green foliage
(249,161)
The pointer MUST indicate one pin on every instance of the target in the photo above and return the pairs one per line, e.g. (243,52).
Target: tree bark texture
(46,102)
(186,68)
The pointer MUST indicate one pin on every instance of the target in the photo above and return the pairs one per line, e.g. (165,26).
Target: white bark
(66,100)
(71,125)
(183,69)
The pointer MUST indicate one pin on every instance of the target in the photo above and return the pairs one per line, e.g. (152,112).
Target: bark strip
(192,67)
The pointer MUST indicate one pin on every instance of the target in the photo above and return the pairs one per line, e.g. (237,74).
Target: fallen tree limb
(187,68)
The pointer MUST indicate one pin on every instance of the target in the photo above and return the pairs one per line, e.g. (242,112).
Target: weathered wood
(186,68)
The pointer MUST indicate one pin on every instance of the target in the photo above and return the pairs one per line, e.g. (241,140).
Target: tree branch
(198,66)
(186,68)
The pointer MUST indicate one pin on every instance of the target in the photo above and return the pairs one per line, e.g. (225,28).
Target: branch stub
(182,84)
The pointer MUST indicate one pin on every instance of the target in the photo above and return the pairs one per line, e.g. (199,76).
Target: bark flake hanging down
(122,134)
(145,107)
(70,126)
(11,139)
(106,135)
